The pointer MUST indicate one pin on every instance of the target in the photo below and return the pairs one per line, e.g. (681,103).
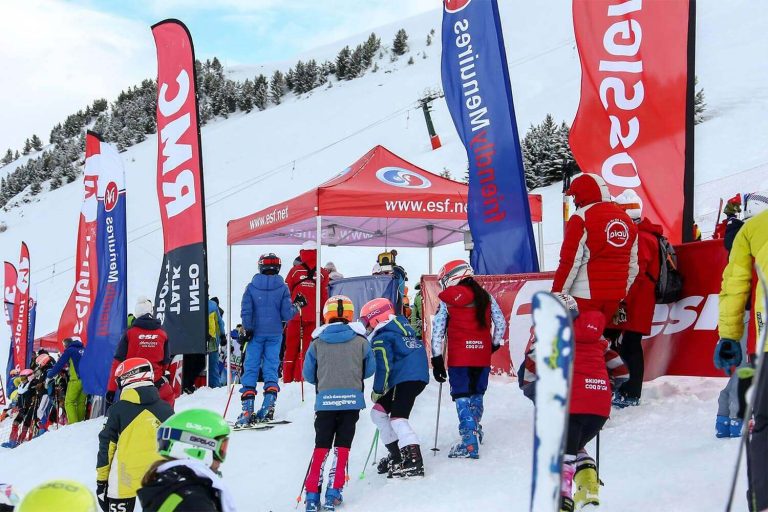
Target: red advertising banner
(77,311)
(683,336)
(9,292)
(20,331)
(631,123)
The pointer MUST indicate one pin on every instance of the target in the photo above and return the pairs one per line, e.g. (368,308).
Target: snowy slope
(662,456)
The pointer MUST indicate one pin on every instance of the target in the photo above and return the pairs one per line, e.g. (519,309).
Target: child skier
(401,375)
(338,360)
(467,337)
(74,399)
(127,443)
(193,444)
(266,305)
(25,402)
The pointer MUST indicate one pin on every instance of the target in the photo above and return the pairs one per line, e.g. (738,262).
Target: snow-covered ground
(661,456)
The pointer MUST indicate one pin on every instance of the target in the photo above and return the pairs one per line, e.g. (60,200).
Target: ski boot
(621,401)
(722,427)
(312,501)
(387,463)
(246,417)
(566,504)
(11,443)
(735,426)
(586,485)
(468,447)
(332,499)
(476,405)
(412,464)
(267,411)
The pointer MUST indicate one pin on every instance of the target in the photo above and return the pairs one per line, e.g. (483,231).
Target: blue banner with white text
(477,91)
(110,310)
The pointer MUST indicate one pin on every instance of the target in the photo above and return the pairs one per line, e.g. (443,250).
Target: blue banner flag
(477,91)
(110,310)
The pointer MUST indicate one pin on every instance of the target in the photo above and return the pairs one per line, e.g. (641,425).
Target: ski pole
(597,454)
(374,443)
(226,408)
(437,422)
(303,483)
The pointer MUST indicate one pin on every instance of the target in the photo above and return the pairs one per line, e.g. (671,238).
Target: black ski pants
(631,351)
(335,428)
(582,428)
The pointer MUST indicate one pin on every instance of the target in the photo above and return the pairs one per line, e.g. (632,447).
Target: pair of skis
(266,425)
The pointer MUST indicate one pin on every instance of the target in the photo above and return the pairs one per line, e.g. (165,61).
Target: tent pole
(229,315)
(318,271)
(430,244)
(541,246)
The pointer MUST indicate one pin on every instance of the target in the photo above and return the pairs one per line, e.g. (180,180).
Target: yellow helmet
(59,495)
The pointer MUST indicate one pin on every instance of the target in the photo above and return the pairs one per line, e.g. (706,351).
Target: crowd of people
(615,265)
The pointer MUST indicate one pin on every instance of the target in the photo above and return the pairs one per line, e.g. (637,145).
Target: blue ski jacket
(266,305)
(400,354)
(72,354)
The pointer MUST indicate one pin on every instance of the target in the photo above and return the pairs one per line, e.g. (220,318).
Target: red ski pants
(295,349)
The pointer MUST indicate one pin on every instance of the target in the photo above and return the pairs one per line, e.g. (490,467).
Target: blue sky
(60,55)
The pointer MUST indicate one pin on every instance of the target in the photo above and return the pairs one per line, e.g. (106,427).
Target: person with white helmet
(401,376)
(193,445)
(640,303)
(462,342)
(127,442)
(750,247)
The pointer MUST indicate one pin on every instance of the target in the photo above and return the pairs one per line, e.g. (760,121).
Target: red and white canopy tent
(380,200)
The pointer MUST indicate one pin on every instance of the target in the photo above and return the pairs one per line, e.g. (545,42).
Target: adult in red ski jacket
(598,258)
(301,280)
(641,299)
(145,339)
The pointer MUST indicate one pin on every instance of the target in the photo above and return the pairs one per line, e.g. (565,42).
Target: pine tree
(370,47)
(356,64)
(699,105)
(260,92)
(277,87)
(27,147)
(400,44)
(245,100)
(36,188)
(8,158)
(547,154)
(16,155)
(342,63)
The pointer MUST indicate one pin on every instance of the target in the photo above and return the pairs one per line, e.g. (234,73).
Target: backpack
(669,285)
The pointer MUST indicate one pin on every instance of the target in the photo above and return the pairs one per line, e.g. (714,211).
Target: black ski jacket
(179,489)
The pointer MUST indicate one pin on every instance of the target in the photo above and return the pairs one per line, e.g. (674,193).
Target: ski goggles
(167,436)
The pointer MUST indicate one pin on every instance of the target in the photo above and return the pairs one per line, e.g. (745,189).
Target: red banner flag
(20,330)
(9,292)
(77,312)
(181,299)
(631,123)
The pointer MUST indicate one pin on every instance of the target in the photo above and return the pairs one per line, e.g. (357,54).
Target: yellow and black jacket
(128,441)
(750,245)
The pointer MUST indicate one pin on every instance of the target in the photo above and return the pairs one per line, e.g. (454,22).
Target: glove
(438,369)
(375,396)
(494,348)
(101,495)
(109,399)
(223,340)
(248,335)
(620,316)
(727,355)
(165,379)
(300,301)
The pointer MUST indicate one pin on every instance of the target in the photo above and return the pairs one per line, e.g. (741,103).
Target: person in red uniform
(301,280)
(731,210)
(145,339)
(640,302)
(462,325)
(598,258)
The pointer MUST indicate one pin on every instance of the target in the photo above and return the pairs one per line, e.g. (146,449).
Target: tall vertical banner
(109,312)
(631,123)
(77,311)
(181,298)
(20,325)
(9,298)
(479,97)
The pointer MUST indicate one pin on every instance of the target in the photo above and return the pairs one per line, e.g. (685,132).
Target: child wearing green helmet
(194,444)
(59,495)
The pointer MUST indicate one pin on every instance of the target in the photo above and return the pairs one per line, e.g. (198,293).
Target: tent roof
(379,199)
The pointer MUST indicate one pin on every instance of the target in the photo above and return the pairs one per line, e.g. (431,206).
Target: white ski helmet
(631,203)
(756,202)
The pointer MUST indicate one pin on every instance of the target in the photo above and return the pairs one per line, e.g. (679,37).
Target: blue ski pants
(262,353)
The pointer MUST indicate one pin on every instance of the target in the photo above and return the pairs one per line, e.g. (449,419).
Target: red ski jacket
(598,258)
(301,279)
(469,344)
(591,388)
(144,339)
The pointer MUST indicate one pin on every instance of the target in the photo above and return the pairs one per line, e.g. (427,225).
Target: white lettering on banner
(470,86)
(194,288)
(622,39)
(83,290)
(175,297)
(181,190)
(684,314)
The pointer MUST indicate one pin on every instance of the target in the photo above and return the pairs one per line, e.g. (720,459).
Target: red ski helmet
(132,370)
(453,272)
(42,360)
(376,311)
(26,373)
(269,264)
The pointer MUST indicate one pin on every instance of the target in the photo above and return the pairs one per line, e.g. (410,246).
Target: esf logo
(617,233)
(403,178)
(455,5)
(111,196)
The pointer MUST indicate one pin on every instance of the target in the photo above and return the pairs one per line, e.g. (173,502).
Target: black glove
(223,340)
(101,495)
(438,369)
(494,348)
(109,399)
(300,301)
(165,379)
(248,335)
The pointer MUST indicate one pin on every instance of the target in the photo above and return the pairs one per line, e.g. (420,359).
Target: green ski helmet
(197,434)
(59,495)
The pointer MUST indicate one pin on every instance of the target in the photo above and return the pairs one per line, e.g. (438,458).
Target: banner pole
(318,271)
(540,229)
(430,244)
(690,98)
(229,314)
